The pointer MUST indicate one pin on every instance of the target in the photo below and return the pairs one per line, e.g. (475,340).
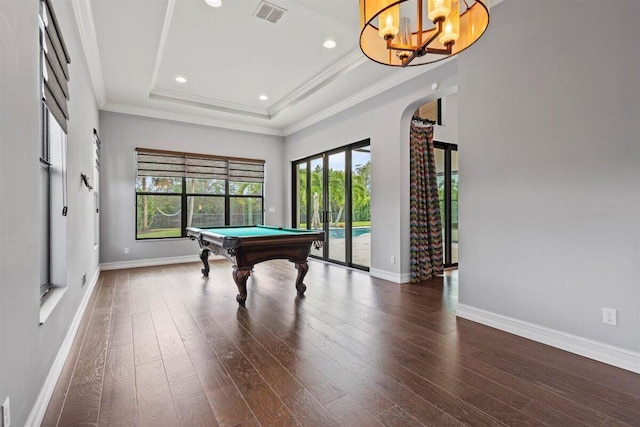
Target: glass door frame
(447,224)
(324,214)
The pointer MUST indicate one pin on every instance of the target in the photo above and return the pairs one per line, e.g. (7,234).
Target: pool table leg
(302,268)
(204,256)
(240,276)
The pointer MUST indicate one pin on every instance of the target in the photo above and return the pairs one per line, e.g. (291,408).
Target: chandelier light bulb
(388,22)
(439,9)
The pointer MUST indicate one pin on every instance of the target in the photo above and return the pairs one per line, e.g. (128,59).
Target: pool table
(246,246)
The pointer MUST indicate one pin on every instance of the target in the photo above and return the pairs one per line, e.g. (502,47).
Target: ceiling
(136,48)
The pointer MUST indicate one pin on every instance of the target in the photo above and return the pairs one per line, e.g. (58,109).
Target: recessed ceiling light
(263,97)
(181,79)
(329,44)
(214,3)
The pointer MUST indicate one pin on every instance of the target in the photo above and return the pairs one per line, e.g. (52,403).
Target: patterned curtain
(426,224)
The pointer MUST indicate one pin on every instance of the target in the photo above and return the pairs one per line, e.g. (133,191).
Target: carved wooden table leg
(302,268)
(204,256)
(240,277)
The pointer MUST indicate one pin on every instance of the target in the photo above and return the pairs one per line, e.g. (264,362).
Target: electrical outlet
(6,413)
(84,279)
(609,316)
(393,259)
(126,251)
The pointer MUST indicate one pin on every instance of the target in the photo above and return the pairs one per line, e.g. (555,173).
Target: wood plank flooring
(163,346)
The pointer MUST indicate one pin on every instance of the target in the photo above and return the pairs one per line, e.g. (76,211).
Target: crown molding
(188,118)
(347,63)
(401,76)
(87,30)
(208,103)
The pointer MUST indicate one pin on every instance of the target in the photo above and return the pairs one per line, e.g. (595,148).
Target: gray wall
(121,134)
(27,350)
(549,108)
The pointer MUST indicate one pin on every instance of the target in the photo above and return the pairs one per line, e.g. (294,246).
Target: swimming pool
(338,233)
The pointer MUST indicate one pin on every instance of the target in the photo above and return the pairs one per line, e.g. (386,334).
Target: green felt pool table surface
(255,231)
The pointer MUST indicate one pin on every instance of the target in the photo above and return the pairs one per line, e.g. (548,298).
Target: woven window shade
(155,163)
(55,73)
(97,147)
(161,165)
(206,168)
(244,171)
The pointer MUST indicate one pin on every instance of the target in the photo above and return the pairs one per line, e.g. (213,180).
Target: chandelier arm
(407,60)
(440,51)
(424,49)
(407,47)
(435,35)
(419,15)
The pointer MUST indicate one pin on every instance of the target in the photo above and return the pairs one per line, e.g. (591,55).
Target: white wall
(28,350)
(549,168)
(121,134)
(385,119)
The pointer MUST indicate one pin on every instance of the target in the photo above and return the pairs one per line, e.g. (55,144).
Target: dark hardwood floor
(163,346)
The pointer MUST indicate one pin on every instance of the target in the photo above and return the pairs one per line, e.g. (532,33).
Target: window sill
(162,239)
(50,301)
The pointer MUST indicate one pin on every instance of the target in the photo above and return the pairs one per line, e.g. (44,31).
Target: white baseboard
(595,350)
(392,277)
(405,278)
(155,261)
(40,407)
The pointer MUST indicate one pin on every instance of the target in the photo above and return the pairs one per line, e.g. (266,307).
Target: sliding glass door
(361,206)
(336,205)
(332,192)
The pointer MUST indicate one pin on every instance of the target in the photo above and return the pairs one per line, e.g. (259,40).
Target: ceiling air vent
(269,12)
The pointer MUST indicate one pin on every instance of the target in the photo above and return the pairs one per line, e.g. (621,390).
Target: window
(178,190)
(53,205)
(53,182)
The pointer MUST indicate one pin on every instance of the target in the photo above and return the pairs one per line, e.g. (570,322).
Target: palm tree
(359,195)
(336,193)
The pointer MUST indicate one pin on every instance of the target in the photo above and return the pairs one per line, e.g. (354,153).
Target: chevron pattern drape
(426,224)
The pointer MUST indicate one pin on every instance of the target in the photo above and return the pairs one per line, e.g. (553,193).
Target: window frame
(447,219)
(45,194)
(184,194)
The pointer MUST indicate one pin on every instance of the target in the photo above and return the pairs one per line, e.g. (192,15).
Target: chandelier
(404,33)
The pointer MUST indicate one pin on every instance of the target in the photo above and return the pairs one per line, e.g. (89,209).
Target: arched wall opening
(448,133)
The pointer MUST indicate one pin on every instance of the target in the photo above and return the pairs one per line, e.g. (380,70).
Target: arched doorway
(446,155)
